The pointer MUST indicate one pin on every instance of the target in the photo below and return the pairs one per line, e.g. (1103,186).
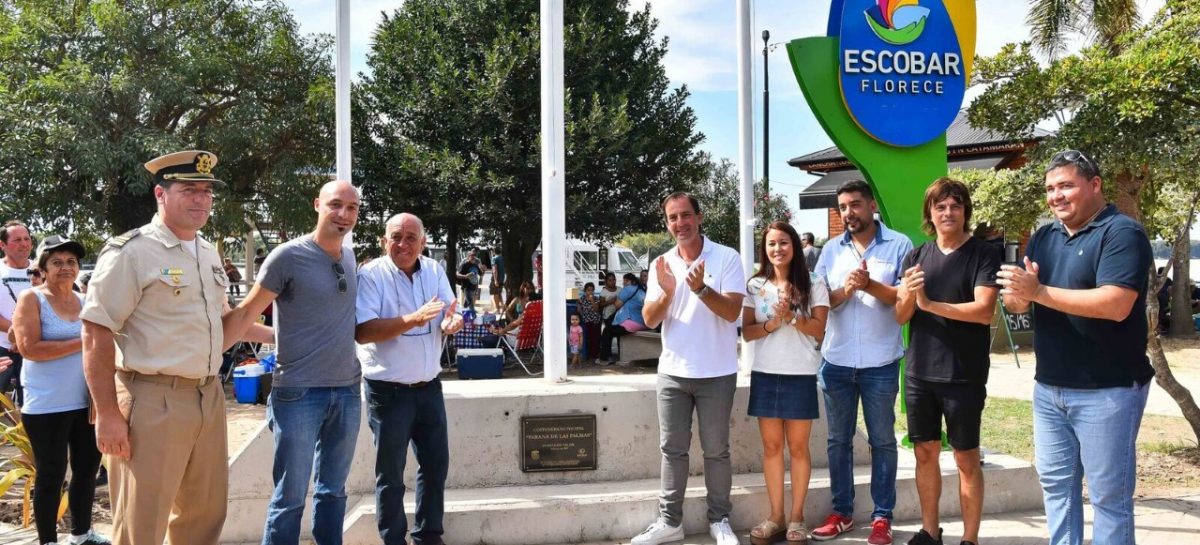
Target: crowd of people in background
(825,325)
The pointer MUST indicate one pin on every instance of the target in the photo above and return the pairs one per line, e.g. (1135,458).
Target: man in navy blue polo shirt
(1085,277)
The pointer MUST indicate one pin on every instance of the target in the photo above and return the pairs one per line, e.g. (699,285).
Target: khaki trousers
(176,483)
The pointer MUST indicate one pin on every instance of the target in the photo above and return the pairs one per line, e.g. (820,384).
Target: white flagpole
(745,144)
(553,192)
(342,89)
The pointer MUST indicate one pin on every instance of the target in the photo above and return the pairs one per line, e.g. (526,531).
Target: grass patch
(1008,427)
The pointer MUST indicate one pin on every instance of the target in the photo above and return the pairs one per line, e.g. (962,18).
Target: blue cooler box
(246,383)
(480,362)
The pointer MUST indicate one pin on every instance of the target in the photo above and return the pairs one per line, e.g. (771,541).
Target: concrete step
(586,512)
(484,424)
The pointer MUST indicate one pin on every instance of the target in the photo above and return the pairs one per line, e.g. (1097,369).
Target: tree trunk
(1181,292)
(1158,360)
(126,210)
(518,249)
(452,257)
(1127,191)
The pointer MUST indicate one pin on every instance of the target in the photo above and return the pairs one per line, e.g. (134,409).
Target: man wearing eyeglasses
(405,306)
(16,244)
(1085,276)
(314,407)
(158,293)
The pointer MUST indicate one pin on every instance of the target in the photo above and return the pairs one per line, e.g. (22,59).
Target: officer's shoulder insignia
(122,239)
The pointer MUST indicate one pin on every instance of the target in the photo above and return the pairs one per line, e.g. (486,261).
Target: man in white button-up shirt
(405,306)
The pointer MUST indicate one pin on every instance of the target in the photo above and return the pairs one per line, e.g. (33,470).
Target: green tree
(91,89)
(1134,109)
(650,245)
(450,122)
(720,198)
(1052,21)
(1002,197)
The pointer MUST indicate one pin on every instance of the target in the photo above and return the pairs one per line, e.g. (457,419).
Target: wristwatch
(704,290)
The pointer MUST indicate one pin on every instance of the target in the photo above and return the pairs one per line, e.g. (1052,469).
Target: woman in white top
(785,315)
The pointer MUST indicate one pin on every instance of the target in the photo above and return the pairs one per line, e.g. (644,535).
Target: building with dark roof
(967,147)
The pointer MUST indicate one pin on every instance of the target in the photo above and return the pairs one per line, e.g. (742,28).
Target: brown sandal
(766,533)
(797,533)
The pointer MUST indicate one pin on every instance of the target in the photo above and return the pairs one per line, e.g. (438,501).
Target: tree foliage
(720,197)
(1133,107)
(1004,199)
(650,245)
(449,121)
(1135,112)
(1105,21)
(91,89)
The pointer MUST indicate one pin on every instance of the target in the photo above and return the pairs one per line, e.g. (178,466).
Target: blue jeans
(315,429)
(1094,433)
(877,387)
(399,415)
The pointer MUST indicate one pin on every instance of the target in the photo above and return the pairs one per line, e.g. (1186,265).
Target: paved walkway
(1007,380)
(1159,521)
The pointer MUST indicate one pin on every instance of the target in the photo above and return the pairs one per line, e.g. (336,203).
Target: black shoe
(923,538)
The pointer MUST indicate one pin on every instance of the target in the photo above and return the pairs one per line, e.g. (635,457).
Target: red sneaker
(881,532)
(835,525)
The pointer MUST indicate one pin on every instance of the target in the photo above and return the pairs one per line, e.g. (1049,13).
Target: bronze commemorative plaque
(558,443)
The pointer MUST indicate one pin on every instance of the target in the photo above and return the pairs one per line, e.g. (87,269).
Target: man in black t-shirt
(470,271)
(948,296)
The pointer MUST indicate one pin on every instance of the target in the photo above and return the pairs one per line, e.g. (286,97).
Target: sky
(702,55)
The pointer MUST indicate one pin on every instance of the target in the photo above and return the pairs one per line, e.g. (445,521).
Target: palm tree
(1052,21)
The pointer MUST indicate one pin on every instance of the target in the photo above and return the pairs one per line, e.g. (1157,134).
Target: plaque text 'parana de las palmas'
(558,443)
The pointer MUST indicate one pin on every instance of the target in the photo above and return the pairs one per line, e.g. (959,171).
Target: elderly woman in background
(47,331)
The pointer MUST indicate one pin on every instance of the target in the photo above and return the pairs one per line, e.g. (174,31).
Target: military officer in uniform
(152,340)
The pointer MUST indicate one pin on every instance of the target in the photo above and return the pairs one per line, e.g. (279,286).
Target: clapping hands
(858,279)
(912,284)
(1018,283)
(428,312)
(783,311)
(453,322)
(666,278)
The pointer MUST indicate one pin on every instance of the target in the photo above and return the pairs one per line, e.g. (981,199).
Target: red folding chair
(529,336)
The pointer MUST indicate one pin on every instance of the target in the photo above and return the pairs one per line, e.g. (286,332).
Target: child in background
(589,312)
(575,339)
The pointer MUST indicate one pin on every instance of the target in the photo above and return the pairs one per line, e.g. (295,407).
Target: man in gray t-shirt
(315,399)
(811,252)
(314,321)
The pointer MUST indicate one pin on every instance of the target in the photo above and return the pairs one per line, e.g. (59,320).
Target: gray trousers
(712,400)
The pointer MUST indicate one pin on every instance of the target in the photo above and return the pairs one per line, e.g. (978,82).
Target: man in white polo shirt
(405,306)
(695,291)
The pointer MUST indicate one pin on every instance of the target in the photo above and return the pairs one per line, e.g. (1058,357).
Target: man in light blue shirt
(405,306)
(861,355)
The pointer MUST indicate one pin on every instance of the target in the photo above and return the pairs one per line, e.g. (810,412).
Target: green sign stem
(898,176)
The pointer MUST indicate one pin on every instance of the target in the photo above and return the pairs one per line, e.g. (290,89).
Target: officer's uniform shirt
(163,303)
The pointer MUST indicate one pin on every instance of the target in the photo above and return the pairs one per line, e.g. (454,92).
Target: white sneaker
(659,532)
(721,532)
